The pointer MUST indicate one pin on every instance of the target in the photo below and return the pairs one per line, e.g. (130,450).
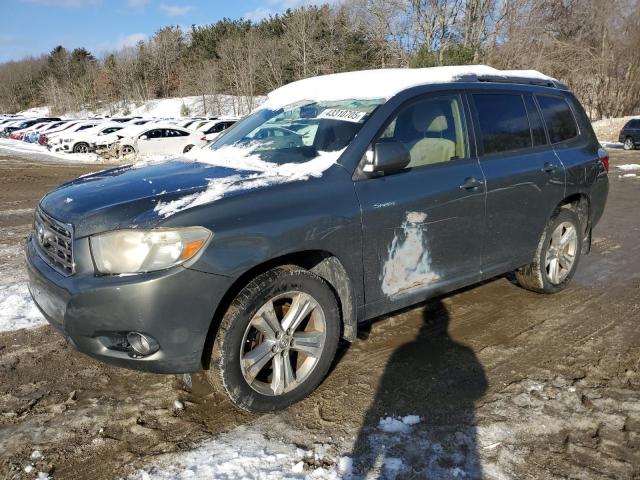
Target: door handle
(470,183)
(549,167)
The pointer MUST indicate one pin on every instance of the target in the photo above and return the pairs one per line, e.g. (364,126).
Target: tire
(235,369)
(81,147)
(187,148)
(542,275)
(629,144)
(128,150)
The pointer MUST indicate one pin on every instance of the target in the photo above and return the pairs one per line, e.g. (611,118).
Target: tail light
(203,139)
(603,155)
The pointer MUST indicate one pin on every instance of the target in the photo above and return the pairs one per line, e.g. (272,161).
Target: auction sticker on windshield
(343,114)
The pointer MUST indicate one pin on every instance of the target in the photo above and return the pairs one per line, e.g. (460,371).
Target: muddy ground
(508,383)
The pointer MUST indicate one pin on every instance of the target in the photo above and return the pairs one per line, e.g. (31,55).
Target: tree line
(592,45)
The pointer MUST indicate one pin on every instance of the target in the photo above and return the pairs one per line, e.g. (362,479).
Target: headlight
(136,251)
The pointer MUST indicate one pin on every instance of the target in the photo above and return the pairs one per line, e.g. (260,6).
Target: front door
(422,225)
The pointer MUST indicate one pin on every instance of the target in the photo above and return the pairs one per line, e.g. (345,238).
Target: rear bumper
(94,313)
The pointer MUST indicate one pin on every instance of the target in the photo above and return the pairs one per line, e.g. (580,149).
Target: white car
(161,138)
(85,140)
(213,128)
(62,139)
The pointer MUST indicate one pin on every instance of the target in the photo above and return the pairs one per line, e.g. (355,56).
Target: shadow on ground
(443,444)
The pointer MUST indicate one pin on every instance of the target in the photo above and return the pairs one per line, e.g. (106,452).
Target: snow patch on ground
(17,309)
(245,159)
(244,453)
(38,152)
(396,425)
(628,167)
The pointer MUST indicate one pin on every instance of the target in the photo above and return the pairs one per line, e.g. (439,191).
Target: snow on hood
(257,173)
(383,83)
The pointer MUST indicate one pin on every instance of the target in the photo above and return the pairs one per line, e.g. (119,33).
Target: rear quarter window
(503,122)
(560,121)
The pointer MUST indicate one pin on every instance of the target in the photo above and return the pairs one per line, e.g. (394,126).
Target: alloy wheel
(628,144)
(561,252)
(283,343)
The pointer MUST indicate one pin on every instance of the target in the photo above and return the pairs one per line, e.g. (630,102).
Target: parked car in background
(276,137)
(24,124)
(630,134)
(108,140)
(43,139)
(213,128)
(160,139)
(85,140)
(61,140)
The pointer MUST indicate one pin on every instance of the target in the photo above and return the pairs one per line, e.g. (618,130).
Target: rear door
(176,140)
(422,225)
(525,178)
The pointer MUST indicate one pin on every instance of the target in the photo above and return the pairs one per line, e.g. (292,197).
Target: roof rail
(542,82)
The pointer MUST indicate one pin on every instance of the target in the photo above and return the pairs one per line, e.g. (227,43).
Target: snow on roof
(384,83)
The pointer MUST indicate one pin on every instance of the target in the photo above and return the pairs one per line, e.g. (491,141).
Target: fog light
(142,344)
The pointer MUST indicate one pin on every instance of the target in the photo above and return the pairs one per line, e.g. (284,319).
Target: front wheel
(276,341)
(81,148)
(557,255)
(128,150)
(629,143)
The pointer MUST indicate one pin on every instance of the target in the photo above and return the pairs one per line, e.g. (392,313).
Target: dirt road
(507,383)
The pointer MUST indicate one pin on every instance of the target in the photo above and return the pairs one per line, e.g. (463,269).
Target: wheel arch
(581,205)
(324,264)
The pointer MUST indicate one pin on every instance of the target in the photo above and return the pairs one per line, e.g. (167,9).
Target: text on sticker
(343,114)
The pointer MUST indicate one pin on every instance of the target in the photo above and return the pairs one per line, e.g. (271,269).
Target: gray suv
(372,191)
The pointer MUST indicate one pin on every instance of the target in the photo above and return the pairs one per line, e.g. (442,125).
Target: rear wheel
(187,148)
(629,144)
(81,148)
(277,340)
(557,255)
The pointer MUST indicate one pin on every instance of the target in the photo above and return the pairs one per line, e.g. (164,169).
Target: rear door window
(559,119)
(503,122)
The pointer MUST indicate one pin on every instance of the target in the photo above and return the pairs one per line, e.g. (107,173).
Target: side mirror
(144,137)
(387,157)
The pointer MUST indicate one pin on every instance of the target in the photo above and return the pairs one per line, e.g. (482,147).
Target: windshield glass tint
(298,132)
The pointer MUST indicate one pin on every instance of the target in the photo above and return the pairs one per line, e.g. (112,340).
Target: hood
(144,196)
(126,196)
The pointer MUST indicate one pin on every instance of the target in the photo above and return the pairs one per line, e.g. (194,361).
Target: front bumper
(175,306)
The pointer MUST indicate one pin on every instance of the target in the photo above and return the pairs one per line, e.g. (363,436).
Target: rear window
(557,115)
(633,124)
(503,122)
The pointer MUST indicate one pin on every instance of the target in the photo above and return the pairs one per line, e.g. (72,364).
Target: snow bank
(38,152)
(382,83)
(165,107)
(17,309)
(243,453)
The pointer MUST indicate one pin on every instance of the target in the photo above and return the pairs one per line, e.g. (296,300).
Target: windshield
(299,132)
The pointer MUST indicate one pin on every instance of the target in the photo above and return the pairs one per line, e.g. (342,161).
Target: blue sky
(32,27)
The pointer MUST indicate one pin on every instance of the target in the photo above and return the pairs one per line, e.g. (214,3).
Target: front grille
(55,242)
